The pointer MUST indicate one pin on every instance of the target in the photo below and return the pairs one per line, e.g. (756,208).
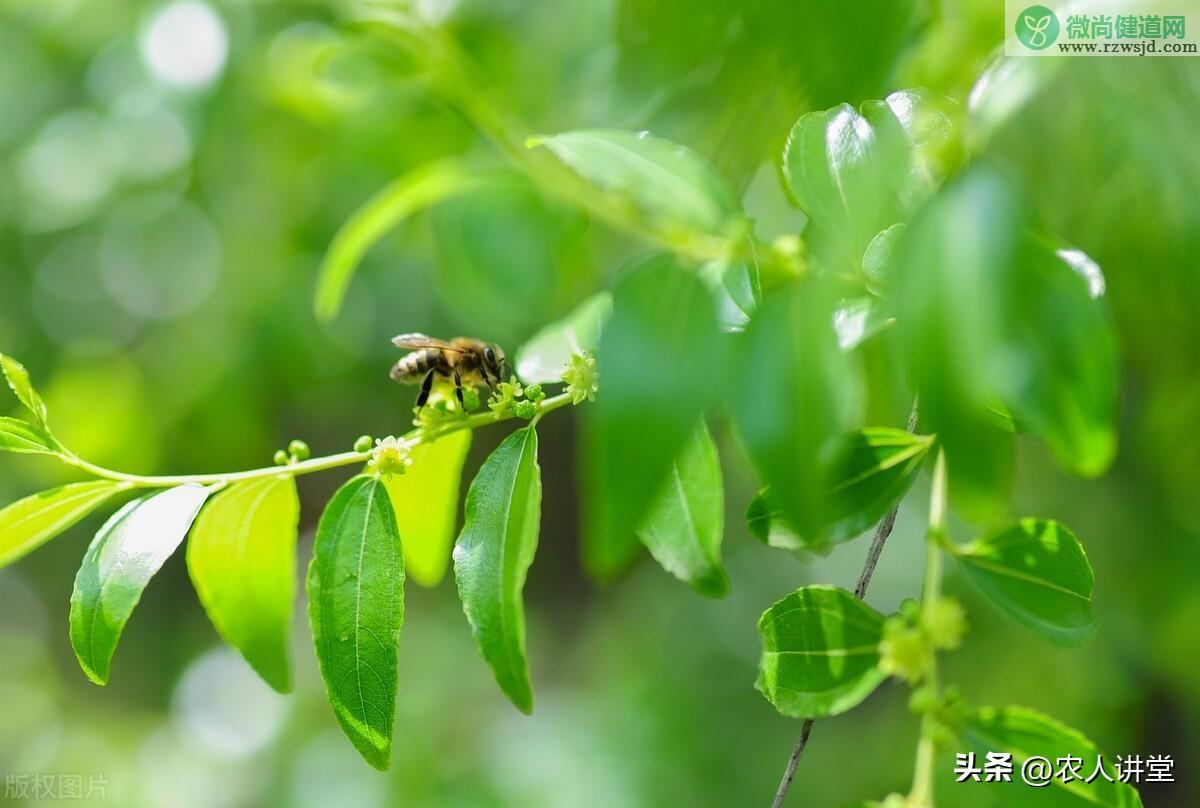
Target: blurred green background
(170,175)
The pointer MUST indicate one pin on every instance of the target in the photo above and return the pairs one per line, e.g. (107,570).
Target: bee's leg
(458,390)
(426,386)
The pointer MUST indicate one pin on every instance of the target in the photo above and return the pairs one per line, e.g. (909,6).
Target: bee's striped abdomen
(412,368)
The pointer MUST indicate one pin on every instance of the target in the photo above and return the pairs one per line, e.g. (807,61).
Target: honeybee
(458,360)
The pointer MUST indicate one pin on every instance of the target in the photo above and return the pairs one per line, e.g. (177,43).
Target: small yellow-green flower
(944,623)
(582,378)
(390,456)
(905,651)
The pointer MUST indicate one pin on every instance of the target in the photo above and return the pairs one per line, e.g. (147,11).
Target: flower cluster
(512,397)
(911,638)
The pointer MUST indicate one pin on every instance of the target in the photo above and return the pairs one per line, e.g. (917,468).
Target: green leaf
(793,394)
(493,554)
(856,172)
(423,186)
(29,523)
(356,608)
(870,471)
(1027,733)
(859,319)
(242,560)
(954,258)
(1036,571)
(737,288)
(425,500)
(129,549)
(667,182)
(649,404)
(684,527)
(18,379)
(23,437)
(1057,366)
(880,257)
(765,521)
(820,652)
(546,355)
(989,316)
(505,255)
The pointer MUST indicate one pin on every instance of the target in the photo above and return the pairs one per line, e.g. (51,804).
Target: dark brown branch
(882,531)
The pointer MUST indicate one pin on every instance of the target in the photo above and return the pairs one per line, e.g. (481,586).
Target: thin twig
(882,531)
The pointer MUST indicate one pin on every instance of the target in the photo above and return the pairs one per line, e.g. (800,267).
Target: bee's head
(496,363)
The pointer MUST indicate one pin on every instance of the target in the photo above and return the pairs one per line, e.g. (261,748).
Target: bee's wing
(417,341)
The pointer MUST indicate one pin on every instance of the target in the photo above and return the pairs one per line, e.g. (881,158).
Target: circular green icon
(1037,27)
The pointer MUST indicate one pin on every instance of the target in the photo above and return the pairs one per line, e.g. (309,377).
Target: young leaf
(650,402)
(668,182)
(793,394)
(24,437)
(121,560)
(684,527)
(425,500)
(493,554)
(857,172)
(1036,571)
(242,560)
(29,523)
(820,652)
(1027,733)
(18,379)
(422,187)
(548,352)
(356,608)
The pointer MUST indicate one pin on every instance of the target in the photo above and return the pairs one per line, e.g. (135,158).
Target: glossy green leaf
(423,186)
(793,394)
(493,554)
(1027,733)
(684,527)
(650,403)
(668,182)
(954,258)
(425,501)
(820,652)
(547,353)
(856,172)
(356,607)
(1038,573)
(129,549)
(18,380)
(21,436)
(242,560)
(29,523)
